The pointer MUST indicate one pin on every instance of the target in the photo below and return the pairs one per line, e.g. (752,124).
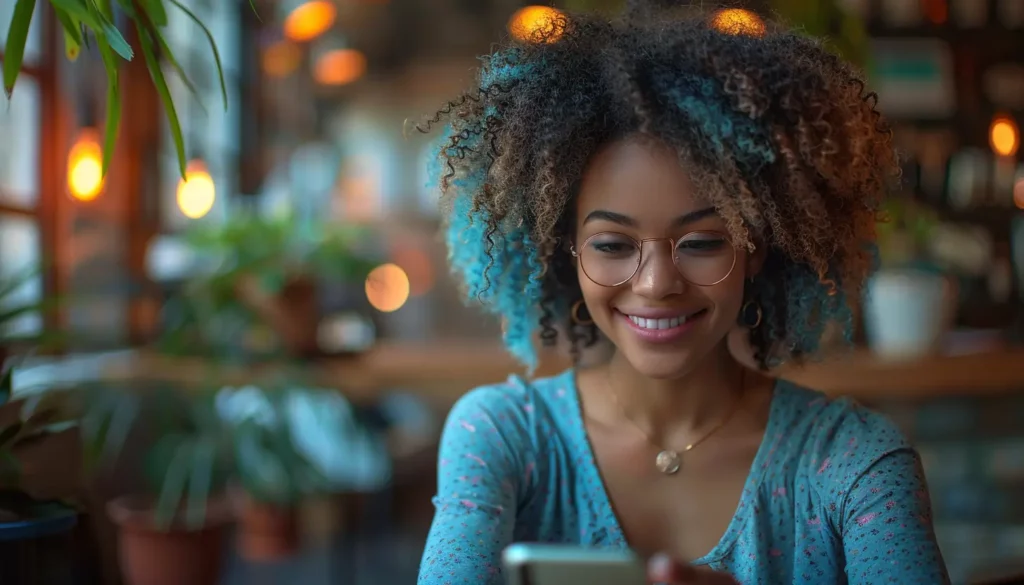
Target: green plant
(253,256)
(211,440)
(39,415)
(80,19)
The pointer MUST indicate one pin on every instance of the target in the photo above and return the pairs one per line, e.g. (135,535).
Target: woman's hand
(663,569)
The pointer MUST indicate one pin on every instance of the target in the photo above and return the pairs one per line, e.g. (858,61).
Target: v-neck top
(835,493)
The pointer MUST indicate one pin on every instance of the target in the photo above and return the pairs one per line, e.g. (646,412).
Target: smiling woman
(685,194)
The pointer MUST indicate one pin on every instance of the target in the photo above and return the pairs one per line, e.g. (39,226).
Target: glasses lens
(705,258)
(609,258)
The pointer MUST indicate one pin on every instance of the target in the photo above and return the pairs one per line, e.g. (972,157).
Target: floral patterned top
(835,494)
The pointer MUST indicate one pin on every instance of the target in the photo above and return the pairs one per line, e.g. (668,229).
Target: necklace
(670,461)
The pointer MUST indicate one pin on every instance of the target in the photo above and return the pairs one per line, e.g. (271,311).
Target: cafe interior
(233,299)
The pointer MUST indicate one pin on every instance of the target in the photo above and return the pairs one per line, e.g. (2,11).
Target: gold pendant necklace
(670,461)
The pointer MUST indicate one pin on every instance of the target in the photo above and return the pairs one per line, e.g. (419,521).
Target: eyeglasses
(612,259)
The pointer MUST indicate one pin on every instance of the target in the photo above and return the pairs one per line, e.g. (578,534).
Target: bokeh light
(281,59)
(387,288)
(737,21)
(85,166)
(339,67)
(310,20)
(196,192)
(1004,136)
(531,23)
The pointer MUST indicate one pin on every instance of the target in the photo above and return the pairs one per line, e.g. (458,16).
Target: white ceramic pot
(906,313)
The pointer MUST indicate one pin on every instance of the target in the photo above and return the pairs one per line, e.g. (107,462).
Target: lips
(661,326)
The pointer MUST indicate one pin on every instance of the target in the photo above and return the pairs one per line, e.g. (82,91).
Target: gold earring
(575,314)
(745,310)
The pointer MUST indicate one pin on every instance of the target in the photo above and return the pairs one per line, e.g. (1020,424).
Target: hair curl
(779,134)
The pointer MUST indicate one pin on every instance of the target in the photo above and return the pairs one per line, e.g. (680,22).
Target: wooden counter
(443,371)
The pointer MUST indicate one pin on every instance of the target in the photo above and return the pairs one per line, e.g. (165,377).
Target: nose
(657,277)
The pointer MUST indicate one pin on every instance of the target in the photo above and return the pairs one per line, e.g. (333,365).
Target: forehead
(640,178)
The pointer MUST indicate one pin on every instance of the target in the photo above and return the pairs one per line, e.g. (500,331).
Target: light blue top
(835,494)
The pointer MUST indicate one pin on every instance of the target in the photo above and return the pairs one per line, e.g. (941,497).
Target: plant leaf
(213,46)
(72,30)
(113,102)
(173,487)
(79,10)
(156,11)
(157,74)
(17,35)
(199,483)
(168,55)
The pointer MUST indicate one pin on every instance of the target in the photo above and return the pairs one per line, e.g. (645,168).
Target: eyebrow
(686,218)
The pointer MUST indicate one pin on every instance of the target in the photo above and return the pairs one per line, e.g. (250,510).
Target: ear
(755,259)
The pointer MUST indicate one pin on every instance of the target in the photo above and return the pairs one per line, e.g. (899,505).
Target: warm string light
(310,20)
(387,288)
(196,192)
(529,23)
(85,166)
(339,67)
(1004,136)
(737,21)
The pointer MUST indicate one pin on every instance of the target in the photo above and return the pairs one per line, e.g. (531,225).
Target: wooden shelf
(443,371)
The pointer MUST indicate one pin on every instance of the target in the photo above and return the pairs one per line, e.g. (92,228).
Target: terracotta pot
(177,556)
(268,532)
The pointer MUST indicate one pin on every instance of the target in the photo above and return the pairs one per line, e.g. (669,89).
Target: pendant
(668,462)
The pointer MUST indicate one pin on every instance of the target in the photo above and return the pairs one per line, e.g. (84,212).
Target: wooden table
(444,371)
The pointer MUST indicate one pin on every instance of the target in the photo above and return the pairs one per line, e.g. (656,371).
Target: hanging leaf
(213,46)
(156,11)
(157,74)
(72,30)
(79,10)
(17,35)
(113,102)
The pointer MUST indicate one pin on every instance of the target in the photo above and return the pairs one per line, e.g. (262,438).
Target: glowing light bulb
(536,23)
(339,67)
(387,288)
(310,20)
(1004,136)
(85,166)
(196,192)
(737,21)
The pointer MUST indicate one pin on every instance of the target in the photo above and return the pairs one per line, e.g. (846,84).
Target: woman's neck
(678,407)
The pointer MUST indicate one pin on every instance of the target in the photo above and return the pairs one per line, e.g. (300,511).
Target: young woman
(696,199)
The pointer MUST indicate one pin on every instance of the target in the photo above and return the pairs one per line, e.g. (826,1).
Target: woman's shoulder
(837,437)
(518,404)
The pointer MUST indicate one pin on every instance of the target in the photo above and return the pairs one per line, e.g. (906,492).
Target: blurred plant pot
(267,532)
(907,312)
(151,556)
(293,313)
(36,546)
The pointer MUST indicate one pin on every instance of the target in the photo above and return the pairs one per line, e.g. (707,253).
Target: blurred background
(249,315)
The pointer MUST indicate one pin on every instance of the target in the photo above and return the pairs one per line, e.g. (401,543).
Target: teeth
(658,323)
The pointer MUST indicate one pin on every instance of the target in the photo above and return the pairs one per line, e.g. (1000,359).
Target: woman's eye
(611,247)
(702,245)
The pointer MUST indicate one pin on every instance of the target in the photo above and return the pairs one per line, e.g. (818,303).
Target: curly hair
(779,134)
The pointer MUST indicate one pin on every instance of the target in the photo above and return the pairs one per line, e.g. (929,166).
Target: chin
(660,365)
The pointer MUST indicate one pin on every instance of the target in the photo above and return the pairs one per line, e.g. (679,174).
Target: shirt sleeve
(887,528)
(480,464)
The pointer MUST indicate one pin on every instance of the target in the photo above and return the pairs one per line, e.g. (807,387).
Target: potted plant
(910,301)
(225,454)
(26,423)
(269,272)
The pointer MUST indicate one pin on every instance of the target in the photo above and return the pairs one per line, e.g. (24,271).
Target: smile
(662,329)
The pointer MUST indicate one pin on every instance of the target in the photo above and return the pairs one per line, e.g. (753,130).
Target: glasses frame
(640,262)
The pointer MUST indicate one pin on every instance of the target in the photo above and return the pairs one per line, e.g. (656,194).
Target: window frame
(45,73)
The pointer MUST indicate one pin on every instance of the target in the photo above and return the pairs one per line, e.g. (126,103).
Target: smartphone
(555,564)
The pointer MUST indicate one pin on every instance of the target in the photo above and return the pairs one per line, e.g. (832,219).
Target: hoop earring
(751,315)
(574,313)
